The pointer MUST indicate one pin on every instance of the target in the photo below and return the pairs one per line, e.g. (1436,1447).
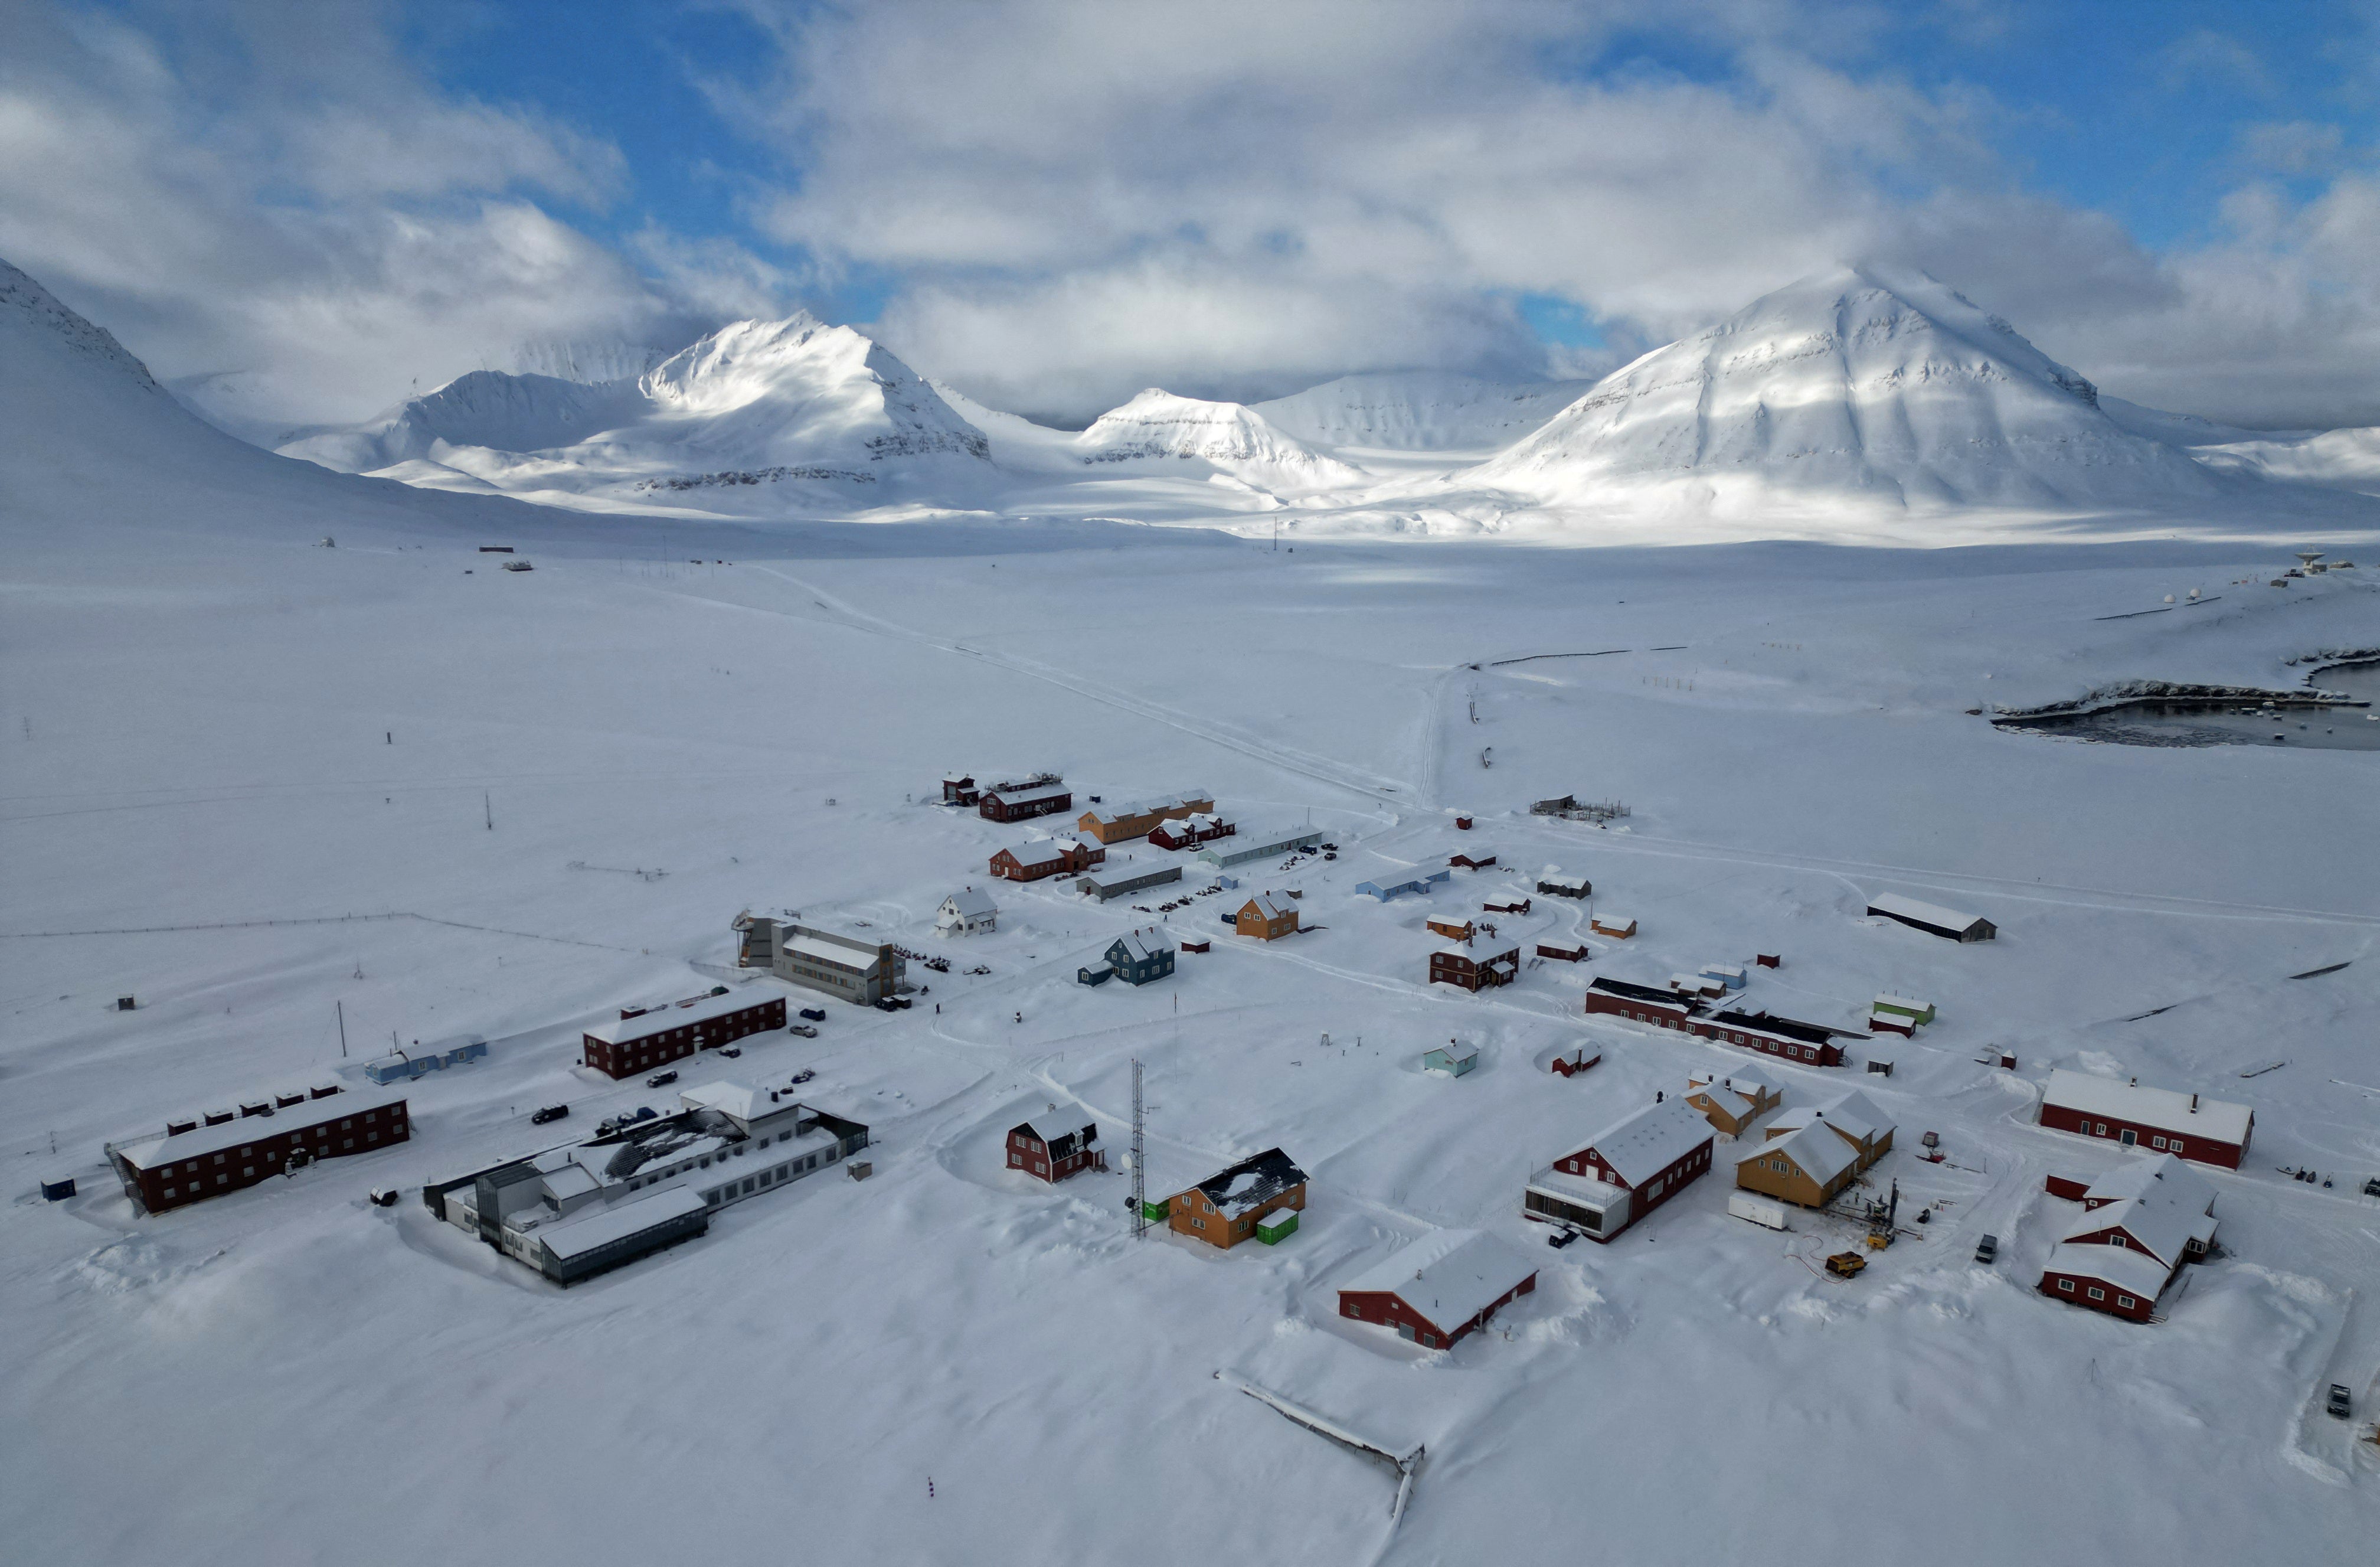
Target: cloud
(2203,57)
(277,192)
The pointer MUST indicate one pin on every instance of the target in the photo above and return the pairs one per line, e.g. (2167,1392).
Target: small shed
(1277,1226)
(1475,860)
(1507,906)
(1452,931)
(1571,1060)
(57,1188)
(1892,1023)
(1558,883)
(1568,952)
(1905,1006)
(1618,927)
(1197,944)
(1729,975)
(1452,1058)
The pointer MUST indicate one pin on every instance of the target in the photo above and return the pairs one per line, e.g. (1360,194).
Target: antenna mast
(1139,1160)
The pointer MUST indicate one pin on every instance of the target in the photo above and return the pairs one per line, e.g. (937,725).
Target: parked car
(804,1075)
(804,1029)
(732,1052)
(2338,1405)
(550,1112)
(661,1079)
(644,1113)
(1561,1238)
(885,1003)
(1987,1249)
(813,1014)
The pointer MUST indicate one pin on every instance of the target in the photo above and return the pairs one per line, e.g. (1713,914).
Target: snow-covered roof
(1027,796)
(661,1019)
(830,951)
(971,902)
(1925,913)
(577,1236)
(1748,1080)
(1250,1183)
(2158,1172)
(1037,851)
(1268,907)
(744,1102)
(207,1141)
(1643,1144)
(1051,1127)
(2164,1108)
(2162,1226)
(2135,1272)
(1145,943)
(1821,1154)
(1448,1277)
(1855,1112)
(1583,1189)
(1149,807)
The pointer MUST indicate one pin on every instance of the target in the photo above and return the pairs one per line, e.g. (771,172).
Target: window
(348,1144)
(2095,1292)
(169,1191)
(2117,1240)
(2156,1142)
(248,1173)
(1198,1223)
(2174,1146)
(2125,1301)
(247,1153)
(222,1180)
(2066,1284)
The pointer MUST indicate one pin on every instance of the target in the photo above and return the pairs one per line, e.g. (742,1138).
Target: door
(2130,1136)
(1404,1331)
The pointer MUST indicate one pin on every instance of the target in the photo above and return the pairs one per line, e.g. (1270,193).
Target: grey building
(1114,881)
(1261,845)
(821,959)
(575,1211)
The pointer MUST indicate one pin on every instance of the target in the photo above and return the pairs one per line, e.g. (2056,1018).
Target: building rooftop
(1645,1142)
(2166,1109)
(1817,1151)
(1448,1276)
(2135,1272)
(1252,1183)
(1925,913)
(579,1235)
(661,1019)
(205,1142)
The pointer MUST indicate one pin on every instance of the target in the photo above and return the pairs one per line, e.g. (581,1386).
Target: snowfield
(250,781)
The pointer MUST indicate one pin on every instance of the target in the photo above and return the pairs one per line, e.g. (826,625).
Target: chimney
(2194,1104)
(1656,1096)
(2136,1083)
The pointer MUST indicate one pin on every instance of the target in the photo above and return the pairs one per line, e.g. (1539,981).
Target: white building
(967,912)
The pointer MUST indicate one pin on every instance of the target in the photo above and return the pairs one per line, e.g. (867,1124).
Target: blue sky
(1053,204)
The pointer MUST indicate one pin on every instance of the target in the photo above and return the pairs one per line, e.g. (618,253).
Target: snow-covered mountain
(751,417)
(1862,382)
(1229,437)
(1420,410)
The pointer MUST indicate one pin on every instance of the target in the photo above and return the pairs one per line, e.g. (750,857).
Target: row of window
(321,1133)
(247,1173)
(2095,1292)
(2099,1129)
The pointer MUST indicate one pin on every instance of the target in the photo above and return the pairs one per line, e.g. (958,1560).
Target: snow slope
(1230,438)
(1420,410)
(2338,460)
(784,416)
(1862,382)
(223,746)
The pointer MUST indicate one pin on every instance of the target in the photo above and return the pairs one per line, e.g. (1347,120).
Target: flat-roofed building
(2164,1120)
(644,1037)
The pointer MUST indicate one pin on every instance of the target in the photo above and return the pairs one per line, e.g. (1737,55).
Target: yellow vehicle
(1846,1264)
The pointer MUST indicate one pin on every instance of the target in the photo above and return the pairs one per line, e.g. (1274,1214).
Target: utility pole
(1139,1158)
(488,804)
(342,1026)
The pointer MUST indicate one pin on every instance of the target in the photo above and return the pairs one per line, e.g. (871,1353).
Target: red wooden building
(1439,1289)
(644,1038)
(1450,965)
(1203,828)
(2207,1131)
(1046,857)
(1631,1168)
(1568,952)
(1055,1147)
(1471,861)
(1809,1043)
(1005,802)
(206,1162)
(1641,1004)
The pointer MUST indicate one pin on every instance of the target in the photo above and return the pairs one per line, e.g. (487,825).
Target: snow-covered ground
(212,721)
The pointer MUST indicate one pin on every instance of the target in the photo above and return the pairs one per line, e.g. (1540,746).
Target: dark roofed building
(1224,1208)
(1053,1147)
